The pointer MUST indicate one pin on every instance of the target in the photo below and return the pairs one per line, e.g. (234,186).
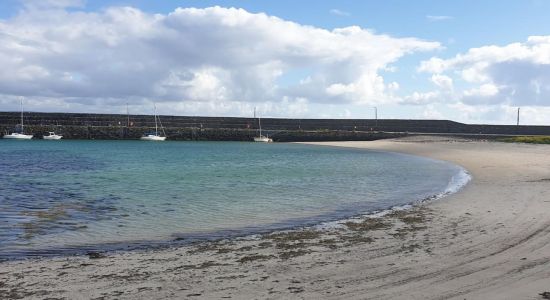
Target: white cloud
(443,82)
(487,84)
(431,112)
(444,93)
(516,74)
(419,98)
(485,90)
(438,18)
(393,86)
(216,59)
(340,13)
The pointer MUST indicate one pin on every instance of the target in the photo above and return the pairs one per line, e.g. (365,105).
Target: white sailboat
(52,136)
(155,136)
(21,135)
(261,138)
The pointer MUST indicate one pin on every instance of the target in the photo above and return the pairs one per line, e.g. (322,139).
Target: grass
(527,139)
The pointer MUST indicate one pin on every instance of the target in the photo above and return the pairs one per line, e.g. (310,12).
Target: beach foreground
(491,240)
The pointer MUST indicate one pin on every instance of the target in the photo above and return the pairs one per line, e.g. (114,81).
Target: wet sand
(491,240)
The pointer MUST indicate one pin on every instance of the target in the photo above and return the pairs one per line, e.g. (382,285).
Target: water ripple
(71,195)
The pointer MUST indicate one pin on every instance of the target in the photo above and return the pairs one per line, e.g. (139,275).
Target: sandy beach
(491,240)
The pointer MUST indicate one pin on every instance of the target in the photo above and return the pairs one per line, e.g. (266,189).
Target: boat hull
(262,139)
(18,136)
(52,137)
(153,138)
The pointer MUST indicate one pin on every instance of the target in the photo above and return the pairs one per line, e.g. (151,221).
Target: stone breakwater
(120,126)
(200,134)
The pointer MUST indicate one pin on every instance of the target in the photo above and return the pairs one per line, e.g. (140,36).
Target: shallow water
(65,196)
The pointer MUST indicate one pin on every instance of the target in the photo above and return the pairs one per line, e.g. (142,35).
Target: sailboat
(155,136)
(21,135)
(261,138)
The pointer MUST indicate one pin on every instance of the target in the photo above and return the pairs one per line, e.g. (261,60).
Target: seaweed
(254,257)
(295,235)
(290,254)
(368,224)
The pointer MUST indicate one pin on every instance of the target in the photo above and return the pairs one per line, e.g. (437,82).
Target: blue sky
(461,45)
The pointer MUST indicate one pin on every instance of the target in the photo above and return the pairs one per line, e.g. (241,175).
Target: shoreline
(491,240)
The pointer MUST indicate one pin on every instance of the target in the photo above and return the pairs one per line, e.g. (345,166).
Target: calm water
(66,196)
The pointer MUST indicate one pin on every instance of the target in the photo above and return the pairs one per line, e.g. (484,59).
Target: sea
(72,196)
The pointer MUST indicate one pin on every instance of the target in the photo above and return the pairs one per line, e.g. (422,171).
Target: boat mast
(259,122)
(156,127)
(22,128)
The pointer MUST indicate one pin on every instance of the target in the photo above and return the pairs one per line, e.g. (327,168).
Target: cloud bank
(492,81)
(516,74)
(213,60)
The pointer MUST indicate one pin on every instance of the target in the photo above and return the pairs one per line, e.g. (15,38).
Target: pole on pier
(376,116)
(128,115)
(518,117)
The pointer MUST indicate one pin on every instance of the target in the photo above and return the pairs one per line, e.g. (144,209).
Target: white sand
(491,240)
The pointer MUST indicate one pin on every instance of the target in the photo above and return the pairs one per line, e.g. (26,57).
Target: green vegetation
(527,139)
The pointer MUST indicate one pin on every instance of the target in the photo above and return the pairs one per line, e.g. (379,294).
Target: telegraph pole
(376,116)
(518,117)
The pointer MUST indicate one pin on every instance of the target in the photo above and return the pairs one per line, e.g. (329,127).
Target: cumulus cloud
(517,74)
(443,82)
(222,58)
(488,83)
(421,98)
(444,93)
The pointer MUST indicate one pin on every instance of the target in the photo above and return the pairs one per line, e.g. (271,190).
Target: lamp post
(376,116)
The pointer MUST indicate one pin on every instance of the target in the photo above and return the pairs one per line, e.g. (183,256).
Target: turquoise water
(66,196)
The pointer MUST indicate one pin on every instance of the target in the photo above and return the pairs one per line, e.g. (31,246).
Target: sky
(467,61)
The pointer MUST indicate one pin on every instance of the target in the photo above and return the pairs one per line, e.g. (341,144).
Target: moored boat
(261,138)
(155,136)
(19,135)
(52,136)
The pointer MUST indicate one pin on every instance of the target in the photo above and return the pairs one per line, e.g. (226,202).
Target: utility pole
(128,115)
(518,117)
(376,116)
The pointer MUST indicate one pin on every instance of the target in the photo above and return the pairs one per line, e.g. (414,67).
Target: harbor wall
(119,126)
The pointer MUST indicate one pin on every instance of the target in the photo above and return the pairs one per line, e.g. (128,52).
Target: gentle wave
(456,183)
